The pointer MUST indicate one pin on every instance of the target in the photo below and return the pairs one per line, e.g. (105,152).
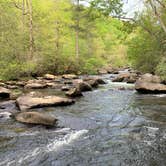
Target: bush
(161,69)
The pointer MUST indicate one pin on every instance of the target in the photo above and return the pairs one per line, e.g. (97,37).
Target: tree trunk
(77,31)
(157,14)
(31,37)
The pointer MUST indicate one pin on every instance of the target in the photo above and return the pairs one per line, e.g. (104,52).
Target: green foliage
(101,39)
(146,44)
(161,69)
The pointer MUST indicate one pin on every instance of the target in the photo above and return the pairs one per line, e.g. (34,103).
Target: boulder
(36,118)
(35,86)
(4,93)
(50,77)
(126,77)
(149,83)
(94,83)
(74,92)
(100,81)
(84,86)
(150,78)
(54,85)
(70,76)
(29,102)
(65,88)
(102,71)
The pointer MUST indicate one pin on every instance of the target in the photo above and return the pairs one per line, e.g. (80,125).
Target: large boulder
(29,102)
(149,83)
(4,93)
(36,118)
(35,86)
(150,78)
(70,76)
(74,92)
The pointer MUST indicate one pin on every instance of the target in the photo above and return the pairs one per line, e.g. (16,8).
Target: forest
(64,36)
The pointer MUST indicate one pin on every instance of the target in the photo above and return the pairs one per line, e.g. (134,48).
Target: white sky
(132,6)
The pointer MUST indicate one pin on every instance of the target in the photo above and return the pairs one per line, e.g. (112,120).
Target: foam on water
(53,146)
(69,138)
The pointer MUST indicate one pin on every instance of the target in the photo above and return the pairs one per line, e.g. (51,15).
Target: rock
(149,83)
(36,118)
(74,92)
(121,77)
(150,78)
(4,93)
(126,77)
(35,86)
(84,86)
(8,106)
(93,83)
(65,88)
(77,81)
(102,71)
(70,76)
(100,81)
(29,102)
(54,85)
(50,77)
(12,87)
(69,82)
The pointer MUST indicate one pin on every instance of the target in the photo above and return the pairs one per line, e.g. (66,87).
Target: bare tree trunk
(157,14)
(77,31)
(31,38)
(57,36)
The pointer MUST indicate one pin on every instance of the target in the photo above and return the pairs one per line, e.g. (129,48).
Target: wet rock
(8,106)
(149,83)
(69,82)
(65,88)
(12,87)
(126,77)
(29,102)
(70,76)
(50,77)
(93,82)
(36,118)
(100,81)
(74,92)
(35,86)
(84,86)
(54,85)
(4,93)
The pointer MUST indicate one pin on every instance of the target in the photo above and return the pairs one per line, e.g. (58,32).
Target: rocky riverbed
(106,123)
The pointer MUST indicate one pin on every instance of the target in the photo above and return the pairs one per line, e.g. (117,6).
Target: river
(106,127)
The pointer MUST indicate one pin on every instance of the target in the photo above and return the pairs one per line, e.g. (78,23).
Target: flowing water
(106,127)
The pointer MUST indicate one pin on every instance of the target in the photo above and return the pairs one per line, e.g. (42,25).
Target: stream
(106,127)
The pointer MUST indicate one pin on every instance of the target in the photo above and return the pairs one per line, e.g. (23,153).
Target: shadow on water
(105,127)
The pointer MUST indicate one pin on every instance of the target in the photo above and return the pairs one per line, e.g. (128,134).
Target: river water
(106,127)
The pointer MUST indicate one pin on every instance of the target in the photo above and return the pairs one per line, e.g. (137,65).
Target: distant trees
(58,37)
(147,43)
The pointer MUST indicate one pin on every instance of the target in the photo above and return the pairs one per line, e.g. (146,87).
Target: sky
(132,6)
